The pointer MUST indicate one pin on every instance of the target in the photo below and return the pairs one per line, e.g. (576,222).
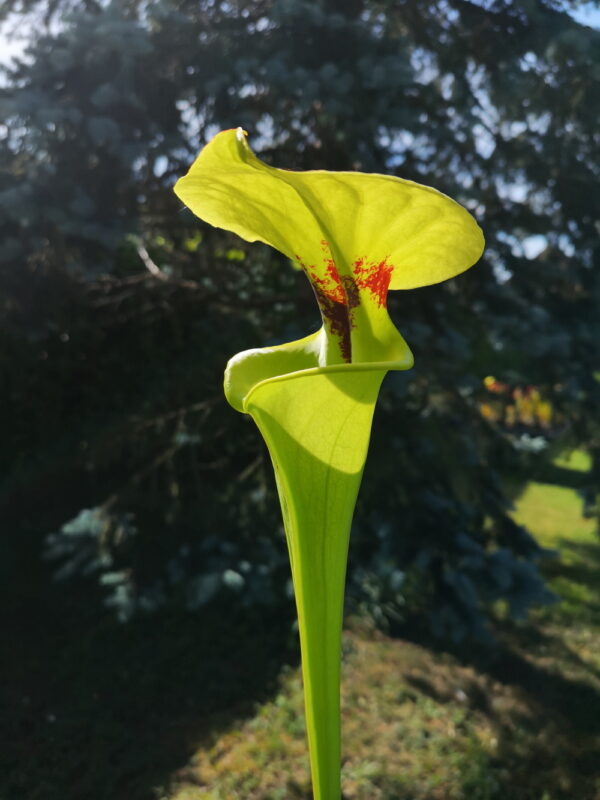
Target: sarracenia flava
(355,236)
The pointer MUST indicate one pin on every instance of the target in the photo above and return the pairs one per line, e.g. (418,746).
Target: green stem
(317,428)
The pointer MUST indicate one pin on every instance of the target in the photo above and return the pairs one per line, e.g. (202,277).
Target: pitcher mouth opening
(366,366)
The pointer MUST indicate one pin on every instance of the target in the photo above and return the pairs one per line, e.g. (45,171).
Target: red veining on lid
(375,277)
(337,295)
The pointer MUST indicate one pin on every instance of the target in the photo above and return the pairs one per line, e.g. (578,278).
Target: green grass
(423,724)
(554,514)
(576,460)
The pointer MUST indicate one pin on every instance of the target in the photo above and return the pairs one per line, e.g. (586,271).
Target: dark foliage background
(120,458)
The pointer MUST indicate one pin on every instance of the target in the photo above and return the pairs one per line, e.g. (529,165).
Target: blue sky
(588,14)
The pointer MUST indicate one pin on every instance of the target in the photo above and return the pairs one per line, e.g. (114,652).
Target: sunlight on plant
(355,236)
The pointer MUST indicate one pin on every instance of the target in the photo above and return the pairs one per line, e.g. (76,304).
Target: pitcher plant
(356,236)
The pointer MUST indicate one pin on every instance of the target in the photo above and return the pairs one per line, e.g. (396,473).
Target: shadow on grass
(547,472)
(548,733)
(584,566)
(94,709)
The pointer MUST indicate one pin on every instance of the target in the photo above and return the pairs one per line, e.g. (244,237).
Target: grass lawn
(178,707)
(420,723)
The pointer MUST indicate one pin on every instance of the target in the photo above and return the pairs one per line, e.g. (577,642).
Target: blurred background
(148,646)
